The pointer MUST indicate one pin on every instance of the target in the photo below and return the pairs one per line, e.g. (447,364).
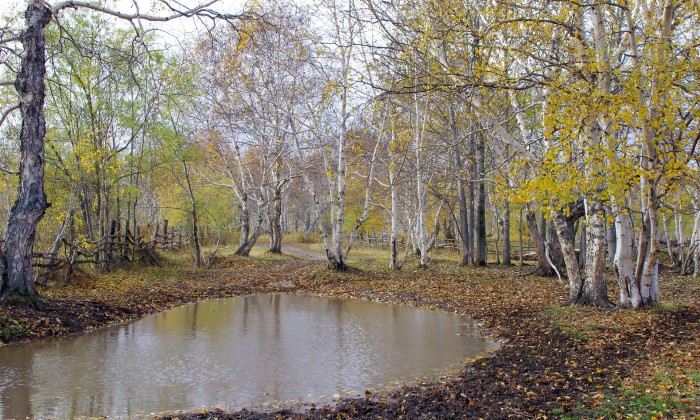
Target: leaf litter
(554,361)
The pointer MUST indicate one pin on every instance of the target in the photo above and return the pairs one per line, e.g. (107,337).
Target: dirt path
(303,253)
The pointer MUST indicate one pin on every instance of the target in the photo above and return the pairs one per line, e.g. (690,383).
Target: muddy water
(237,351)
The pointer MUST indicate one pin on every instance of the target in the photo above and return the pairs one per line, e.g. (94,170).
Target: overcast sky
(11,7)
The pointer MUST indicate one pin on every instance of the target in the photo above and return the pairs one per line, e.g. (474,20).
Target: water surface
(238,351)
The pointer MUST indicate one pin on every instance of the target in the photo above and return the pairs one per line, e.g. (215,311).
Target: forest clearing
(534,166)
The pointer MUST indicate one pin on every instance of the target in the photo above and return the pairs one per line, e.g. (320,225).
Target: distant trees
(584,102)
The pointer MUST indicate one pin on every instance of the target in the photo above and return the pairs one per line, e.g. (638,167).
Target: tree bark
(555,251)
(193,211)
(566,241)
(31,204)
(462,196)
(543,268)
(506,235)
(394,234)
(582,245)
(245,225)
(481,250)
(595,291)
(622,262)
(276,220)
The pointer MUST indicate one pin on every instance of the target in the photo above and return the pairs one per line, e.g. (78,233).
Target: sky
(176,27)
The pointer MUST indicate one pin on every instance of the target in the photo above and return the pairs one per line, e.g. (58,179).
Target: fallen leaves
(553,361)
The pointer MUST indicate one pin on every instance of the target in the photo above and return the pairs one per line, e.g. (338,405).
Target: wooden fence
(118,248)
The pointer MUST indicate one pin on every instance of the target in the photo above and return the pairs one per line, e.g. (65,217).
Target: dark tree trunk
(582,245)
(195,238)
(566,241)
(276,223)
(555,251)
(195,221)
(543,267)
(31,204)
(245,227)
(245,248)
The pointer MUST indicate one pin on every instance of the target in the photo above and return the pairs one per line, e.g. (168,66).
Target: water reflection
(235,351)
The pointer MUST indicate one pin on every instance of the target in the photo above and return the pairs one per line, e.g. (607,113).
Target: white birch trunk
(421,191)
(678,225)
(595,290)
(696,245)
(623,262)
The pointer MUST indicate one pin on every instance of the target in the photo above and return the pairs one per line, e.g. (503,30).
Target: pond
(238,351)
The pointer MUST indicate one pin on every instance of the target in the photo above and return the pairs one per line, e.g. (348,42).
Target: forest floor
(554,361)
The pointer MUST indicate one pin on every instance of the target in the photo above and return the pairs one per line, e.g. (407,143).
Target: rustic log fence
(117,249)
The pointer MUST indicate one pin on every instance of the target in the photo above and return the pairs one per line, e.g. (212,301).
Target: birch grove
(413,126)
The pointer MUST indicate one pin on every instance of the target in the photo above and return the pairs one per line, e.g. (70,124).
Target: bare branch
(8,171)
(201,9)
(7,83)
(10,39)
(7,113)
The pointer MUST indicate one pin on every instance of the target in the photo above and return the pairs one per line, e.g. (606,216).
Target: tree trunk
(611,239)
(462,196)
(481,250)
(193,211)
(394,234)
(555,251)
(542,225)
(472,216)
(622,262)
(649,277)
(543,268)
(245,225)
(276,221)
(680,240)
(582,245)
(195,239)
(667,237)
(505,221)
(31,204)
(520,238)
(244,249)
(367,202)
(595,291)
(566,241)
(694,244)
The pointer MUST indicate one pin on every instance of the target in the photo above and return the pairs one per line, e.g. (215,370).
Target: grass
(11,328)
